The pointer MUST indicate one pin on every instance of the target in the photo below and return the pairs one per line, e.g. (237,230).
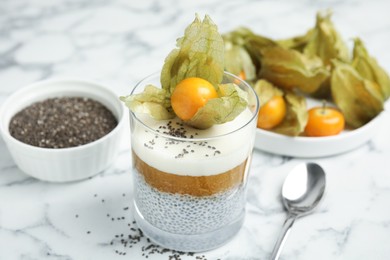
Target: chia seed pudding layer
(187,214)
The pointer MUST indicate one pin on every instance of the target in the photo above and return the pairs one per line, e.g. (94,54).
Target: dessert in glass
(192,134)
(189,184)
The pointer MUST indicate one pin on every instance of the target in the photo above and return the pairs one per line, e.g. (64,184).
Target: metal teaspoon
(302,191)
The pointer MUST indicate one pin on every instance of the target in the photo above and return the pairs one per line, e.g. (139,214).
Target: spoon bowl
(302,190)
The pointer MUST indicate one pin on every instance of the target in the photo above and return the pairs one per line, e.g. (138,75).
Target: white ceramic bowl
(65,164)
(312,147)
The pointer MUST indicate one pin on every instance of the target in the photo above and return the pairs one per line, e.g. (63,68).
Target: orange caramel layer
(191,185)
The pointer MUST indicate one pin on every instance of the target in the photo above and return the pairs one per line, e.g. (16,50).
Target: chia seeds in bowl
(62,122)
(89,155)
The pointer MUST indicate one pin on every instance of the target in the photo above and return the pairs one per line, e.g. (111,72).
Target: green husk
(200,54)
(238,61)
(297,43)
(369,68)
(359,99)
(289,68)
(266,91)
(296,117)
(255,44)
(231,102)
(237,58)
(325,42)
(153,101)
(295,120)
(243,52)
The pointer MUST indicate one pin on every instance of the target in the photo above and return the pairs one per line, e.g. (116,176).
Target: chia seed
(62,122)
(122,243)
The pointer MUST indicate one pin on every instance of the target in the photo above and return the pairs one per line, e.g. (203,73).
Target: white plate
(311,147)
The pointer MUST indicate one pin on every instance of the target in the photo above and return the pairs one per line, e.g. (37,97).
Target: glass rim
(195,139)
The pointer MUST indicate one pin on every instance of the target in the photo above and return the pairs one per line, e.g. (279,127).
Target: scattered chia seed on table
(127,242)
(62,122)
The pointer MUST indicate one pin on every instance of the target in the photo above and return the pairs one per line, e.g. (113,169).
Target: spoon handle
(282,236)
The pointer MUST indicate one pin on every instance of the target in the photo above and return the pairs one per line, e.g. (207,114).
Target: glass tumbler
(189,185)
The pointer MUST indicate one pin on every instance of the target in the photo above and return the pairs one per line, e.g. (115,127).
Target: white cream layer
(230,150)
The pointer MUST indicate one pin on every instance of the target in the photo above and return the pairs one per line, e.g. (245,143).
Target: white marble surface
(118,42)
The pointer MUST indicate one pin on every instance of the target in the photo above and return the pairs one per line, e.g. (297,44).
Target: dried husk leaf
(237,58)
(359,99)
(369,68)
(231,102)
(326,42)
(297,43)
(153,101)
(255,44)
(238,36)
(323,91)
(238,61)
(266,91)
(200,54)
(290,69)
(295,120)
(296,115)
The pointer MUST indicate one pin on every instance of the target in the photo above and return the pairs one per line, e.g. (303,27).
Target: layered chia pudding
(192,133)
(189,184)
